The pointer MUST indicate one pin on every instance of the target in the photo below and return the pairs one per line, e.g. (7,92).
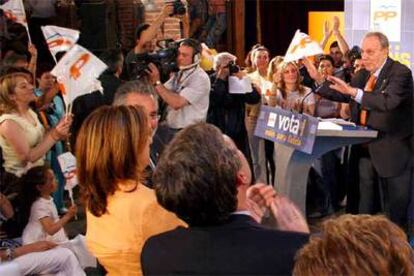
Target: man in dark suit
(227,111)
(381,97)
(204,178)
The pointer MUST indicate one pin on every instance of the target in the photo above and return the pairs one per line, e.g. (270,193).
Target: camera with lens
(233,67)
(165,59)
(179,7)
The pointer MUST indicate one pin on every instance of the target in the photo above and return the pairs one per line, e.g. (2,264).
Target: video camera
(165,59)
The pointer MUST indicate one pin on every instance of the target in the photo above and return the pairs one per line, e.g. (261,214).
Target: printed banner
(288,128)
(386,18)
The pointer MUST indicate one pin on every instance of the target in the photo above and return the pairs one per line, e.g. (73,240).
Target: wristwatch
(157,83)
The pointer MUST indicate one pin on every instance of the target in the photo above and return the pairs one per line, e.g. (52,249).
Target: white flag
(76,73)
(302,46)
(67,162)
(14,11)
(59,39)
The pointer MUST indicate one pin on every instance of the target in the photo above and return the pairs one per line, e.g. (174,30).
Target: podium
(292,166)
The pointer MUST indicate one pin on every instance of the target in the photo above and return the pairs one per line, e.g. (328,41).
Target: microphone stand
(303,100)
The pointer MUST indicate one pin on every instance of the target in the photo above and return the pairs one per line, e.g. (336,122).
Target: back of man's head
(196,177)
(133,87)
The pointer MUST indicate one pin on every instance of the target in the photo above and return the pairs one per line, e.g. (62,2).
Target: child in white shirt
(43,219)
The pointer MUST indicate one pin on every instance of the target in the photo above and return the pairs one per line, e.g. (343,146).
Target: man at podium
(381,98)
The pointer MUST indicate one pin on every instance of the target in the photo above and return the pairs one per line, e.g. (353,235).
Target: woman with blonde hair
(290,93)
(273,75)
(22,137)
(112,150)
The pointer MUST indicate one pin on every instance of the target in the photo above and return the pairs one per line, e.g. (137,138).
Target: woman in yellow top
(23,140)
(112,152)
(22,136)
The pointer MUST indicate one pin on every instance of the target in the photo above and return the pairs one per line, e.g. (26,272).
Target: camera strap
(180,78)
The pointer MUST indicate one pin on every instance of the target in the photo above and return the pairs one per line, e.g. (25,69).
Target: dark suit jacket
(227,111)
(238,247)
(390,107)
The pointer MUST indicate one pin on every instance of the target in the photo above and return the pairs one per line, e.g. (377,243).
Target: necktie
(368,88)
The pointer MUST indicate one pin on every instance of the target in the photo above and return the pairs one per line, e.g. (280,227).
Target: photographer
(227,111)
(186,92)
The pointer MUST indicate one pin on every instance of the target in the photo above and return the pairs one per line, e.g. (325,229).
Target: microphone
(186,67)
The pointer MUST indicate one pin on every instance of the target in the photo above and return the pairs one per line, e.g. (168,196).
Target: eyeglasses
(155,117)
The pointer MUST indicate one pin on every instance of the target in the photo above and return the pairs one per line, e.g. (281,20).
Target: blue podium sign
(288,128)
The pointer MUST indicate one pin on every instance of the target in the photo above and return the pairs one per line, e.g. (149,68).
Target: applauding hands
(260,197)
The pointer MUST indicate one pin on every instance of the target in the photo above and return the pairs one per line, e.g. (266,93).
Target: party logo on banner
(288,128)
(386,18)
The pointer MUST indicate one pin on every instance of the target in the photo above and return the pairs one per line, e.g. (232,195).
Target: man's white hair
(222,59)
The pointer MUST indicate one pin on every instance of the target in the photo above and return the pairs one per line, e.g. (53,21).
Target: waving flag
(302,46)
(67,162)
(77,72)
(14,11)
(59,39)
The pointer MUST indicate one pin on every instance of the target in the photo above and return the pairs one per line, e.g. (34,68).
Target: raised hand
(288,216)
(32,50)
(341,86)
(335,29)
(313,72)
(72,211)
(61,131)
(153,73)
(259,198)
(327,32)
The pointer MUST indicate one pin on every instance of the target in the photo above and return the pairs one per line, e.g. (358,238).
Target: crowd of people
(173,180)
